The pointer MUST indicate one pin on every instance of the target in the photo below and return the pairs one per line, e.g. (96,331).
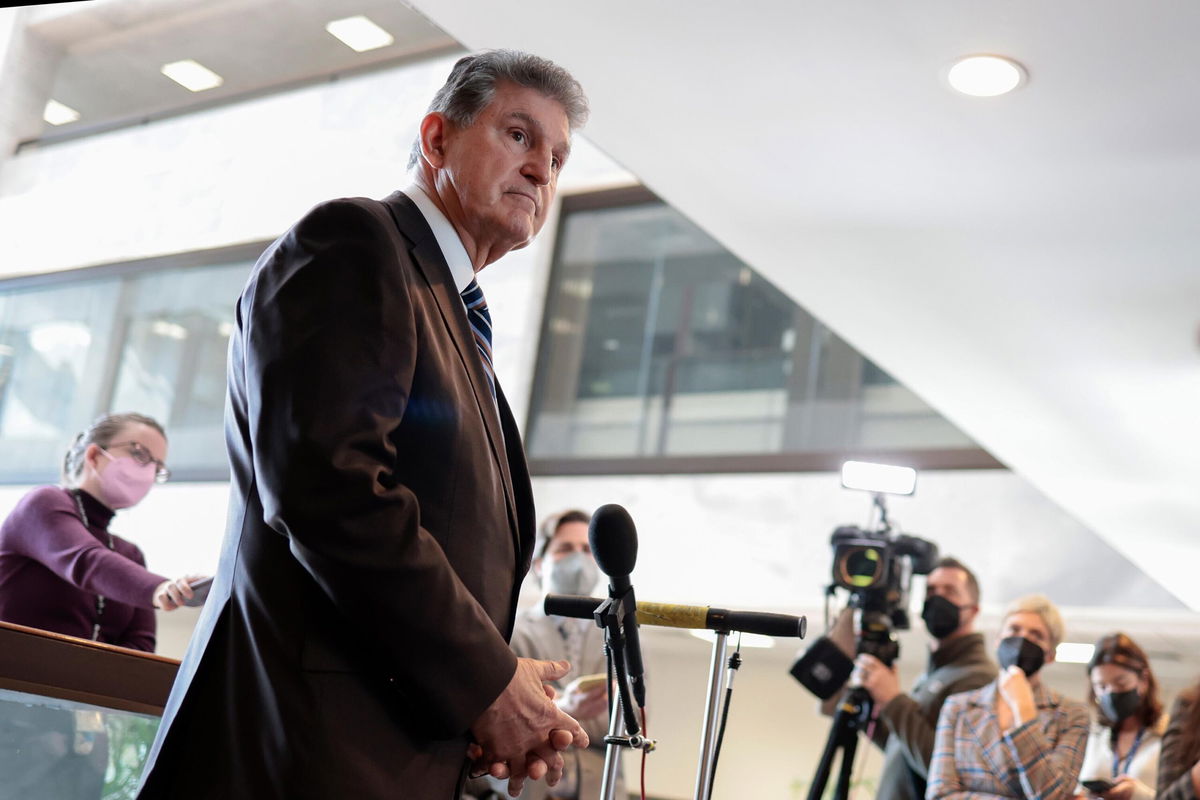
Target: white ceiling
(111,50)
(1029,264)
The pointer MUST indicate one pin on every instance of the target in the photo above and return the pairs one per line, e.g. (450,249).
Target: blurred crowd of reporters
(969,730)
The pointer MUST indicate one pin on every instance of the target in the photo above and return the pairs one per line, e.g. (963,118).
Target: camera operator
(958,662)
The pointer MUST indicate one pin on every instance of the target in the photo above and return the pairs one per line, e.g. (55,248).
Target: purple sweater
(52,568)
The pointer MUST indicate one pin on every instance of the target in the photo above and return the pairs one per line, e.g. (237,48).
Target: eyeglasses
(142,456)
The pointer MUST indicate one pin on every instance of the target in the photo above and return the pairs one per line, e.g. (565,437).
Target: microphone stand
(622,716)
(712,714)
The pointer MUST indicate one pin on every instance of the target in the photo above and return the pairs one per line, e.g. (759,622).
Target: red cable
(645,733)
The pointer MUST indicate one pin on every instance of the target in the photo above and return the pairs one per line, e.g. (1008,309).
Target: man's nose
(538,167)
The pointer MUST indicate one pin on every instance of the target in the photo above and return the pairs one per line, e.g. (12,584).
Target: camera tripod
(853,714)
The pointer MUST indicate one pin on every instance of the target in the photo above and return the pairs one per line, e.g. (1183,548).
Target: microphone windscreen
(613,538)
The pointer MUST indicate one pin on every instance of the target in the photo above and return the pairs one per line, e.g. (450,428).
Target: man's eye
(518,136)
(555,164)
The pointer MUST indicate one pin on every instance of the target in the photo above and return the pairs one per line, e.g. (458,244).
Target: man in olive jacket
(958,662)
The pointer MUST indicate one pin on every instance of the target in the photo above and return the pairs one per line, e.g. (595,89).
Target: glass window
(171,365)
(658,342)
(150,340)
(52,346)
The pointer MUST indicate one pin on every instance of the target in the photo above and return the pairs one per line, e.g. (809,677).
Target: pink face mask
(125,482)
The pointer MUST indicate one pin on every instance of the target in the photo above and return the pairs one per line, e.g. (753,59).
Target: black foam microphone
(613,539)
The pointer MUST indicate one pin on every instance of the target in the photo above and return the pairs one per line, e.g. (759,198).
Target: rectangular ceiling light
(192,75)
(58,114)
(359,33)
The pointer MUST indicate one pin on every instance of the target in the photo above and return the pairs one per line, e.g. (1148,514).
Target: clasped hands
(522,733)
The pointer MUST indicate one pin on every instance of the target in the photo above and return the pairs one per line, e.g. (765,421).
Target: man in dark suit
(354,644)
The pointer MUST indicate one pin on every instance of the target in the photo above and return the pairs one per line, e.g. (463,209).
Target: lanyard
(1129,757)
(83,517)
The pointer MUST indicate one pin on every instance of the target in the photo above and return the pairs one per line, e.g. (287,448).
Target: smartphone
(588,682)
(1099,786)
(199,592)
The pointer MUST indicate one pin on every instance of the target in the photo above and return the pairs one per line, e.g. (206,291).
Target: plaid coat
(1039,760)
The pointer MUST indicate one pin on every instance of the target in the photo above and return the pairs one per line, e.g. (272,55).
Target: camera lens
(862,567)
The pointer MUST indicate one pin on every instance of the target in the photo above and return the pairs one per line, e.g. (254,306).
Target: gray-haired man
(354,644)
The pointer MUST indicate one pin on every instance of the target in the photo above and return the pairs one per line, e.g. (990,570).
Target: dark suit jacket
(380,523)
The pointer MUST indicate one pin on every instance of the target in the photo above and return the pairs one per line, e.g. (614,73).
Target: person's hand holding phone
(1120,789)
(586,696)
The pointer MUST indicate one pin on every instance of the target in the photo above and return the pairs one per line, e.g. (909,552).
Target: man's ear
(434,128)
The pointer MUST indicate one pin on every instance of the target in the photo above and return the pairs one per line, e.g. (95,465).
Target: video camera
(876,567)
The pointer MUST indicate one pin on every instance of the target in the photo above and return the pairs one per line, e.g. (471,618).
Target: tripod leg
(835,741)
(849,747)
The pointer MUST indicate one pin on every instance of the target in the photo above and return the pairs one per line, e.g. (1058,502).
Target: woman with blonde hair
(1014,737)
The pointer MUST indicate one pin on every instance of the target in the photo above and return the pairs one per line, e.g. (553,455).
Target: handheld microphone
(671,615)
(613,539)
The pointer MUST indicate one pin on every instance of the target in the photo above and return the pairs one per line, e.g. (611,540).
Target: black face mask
(1120,706)
(942,617)
(1019,651)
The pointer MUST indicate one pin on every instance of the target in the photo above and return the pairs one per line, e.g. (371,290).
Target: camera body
(876,568)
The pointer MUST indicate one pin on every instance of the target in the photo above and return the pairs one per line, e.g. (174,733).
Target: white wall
(244,172)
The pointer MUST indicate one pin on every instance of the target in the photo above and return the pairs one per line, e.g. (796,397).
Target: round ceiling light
(985,76)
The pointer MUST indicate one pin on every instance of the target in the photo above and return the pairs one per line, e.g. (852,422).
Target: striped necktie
(481,326)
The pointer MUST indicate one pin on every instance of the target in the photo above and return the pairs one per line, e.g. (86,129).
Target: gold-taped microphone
(672,615)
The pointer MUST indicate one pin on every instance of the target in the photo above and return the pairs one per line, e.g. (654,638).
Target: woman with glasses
(1121,761)
(62,570)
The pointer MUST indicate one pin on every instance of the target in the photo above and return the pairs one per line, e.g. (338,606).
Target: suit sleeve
(1174,773)
(1049,769)
(330,352)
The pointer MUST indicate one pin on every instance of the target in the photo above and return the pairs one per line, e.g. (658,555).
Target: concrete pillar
(28,64)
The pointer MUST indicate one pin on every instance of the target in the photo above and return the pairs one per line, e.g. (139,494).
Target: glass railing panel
(54,749)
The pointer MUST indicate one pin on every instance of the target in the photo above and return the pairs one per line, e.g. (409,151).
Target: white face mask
(572,574)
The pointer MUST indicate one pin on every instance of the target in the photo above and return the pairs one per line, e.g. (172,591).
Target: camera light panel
(883,478)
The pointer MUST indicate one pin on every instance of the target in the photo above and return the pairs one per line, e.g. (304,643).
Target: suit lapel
(429,259)
(986,728)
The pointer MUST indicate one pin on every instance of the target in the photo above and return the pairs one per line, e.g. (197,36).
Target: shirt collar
(447,238)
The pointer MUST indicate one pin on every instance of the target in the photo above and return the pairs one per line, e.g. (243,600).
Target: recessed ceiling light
(1074,653)
(192,75)
(985,76)
(58,114)
(359,33)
